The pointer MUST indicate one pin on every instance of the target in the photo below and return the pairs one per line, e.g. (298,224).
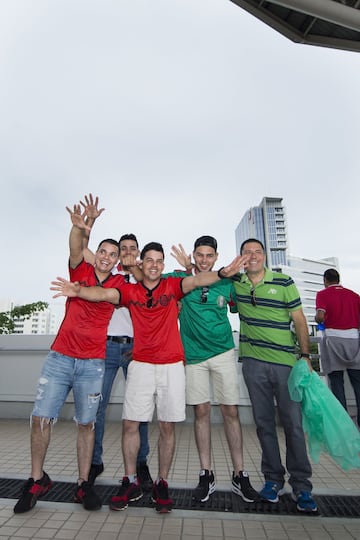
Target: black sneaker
(160,496)
(128,492)
(144,476)
(86,496)
(205,487)
(241,486)
(31,492)
(95,471)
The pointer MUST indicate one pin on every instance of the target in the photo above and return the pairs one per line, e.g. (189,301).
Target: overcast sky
(180,115)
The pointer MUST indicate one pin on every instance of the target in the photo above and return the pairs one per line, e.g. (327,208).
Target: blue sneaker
(271,492)
(304,501)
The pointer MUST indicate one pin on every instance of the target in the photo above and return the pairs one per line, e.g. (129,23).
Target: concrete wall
(21,358)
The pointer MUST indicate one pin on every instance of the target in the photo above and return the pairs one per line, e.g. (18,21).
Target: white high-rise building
(267,222)
(40,322)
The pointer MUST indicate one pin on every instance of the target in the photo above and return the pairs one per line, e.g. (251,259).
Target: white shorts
(150,384)
(221,371)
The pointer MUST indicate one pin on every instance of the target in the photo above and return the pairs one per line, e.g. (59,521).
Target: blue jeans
(336,379)
(62,373)
(117,355)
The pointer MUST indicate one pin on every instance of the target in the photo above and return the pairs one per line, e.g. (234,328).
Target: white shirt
(120,323)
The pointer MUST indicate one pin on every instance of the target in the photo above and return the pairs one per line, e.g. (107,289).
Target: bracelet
(219,272)
(304,355)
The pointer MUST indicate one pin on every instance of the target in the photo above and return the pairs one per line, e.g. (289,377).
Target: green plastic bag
(328,426)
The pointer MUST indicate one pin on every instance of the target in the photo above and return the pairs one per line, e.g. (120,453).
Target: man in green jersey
(267,303)
(210,357)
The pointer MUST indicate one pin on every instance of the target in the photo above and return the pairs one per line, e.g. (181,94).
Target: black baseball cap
(206,241)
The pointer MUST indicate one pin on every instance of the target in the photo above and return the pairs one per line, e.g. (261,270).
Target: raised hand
(90,206)
(65,287)
(179,253)
(77,218)
(129,261)
(234,267)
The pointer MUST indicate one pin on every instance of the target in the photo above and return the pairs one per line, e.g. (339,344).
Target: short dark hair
(331,275)
(248,242)
(151,246)
(109,241)
(129,236)
(206,241)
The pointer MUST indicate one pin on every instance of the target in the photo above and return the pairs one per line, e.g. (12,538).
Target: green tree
(9,318)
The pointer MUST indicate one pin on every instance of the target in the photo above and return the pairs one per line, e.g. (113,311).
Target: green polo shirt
(265,327)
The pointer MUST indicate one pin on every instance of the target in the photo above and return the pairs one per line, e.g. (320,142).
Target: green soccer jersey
(264,312)
(204,325)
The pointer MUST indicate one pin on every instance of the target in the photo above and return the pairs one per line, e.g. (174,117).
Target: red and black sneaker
(128,492)
(86,495)
(160,496)
(31,492)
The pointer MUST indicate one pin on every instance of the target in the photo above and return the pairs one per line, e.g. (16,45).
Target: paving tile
(63,521)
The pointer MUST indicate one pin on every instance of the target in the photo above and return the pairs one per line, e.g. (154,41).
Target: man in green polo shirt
(267,303)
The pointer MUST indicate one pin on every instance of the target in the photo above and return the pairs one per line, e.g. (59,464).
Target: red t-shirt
(155,319)
(83,331)
(341,306)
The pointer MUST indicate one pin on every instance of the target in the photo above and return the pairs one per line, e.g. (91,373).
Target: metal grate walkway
(220,501)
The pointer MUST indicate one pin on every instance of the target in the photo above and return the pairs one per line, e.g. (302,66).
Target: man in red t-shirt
(76,361)
(156,374)
(338,309)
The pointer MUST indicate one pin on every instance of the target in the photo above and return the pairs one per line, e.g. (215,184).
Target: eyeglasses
(204,295)
(149,303)
(253,297)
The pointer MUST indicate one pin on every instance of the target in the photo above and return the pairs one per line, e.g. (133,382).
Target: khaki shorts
(148,385)
(221,373)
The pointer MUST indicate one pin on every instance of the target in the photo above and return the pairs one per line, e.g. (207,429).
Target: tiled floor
(55,520)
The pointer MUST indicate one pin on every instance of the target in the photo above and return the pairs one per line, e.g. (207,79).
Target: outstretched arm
(208,278)
(77,235)
(92,294)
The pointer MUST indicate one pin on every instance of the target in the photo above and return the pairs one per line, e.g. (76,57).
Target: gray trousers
(265,381)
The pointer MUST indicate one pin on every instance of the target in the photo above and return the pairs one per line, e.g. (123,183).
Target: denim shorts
(59,375)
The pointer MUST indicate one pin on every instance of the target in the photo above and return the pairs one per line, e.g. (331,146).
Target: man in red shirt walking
(338,309)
